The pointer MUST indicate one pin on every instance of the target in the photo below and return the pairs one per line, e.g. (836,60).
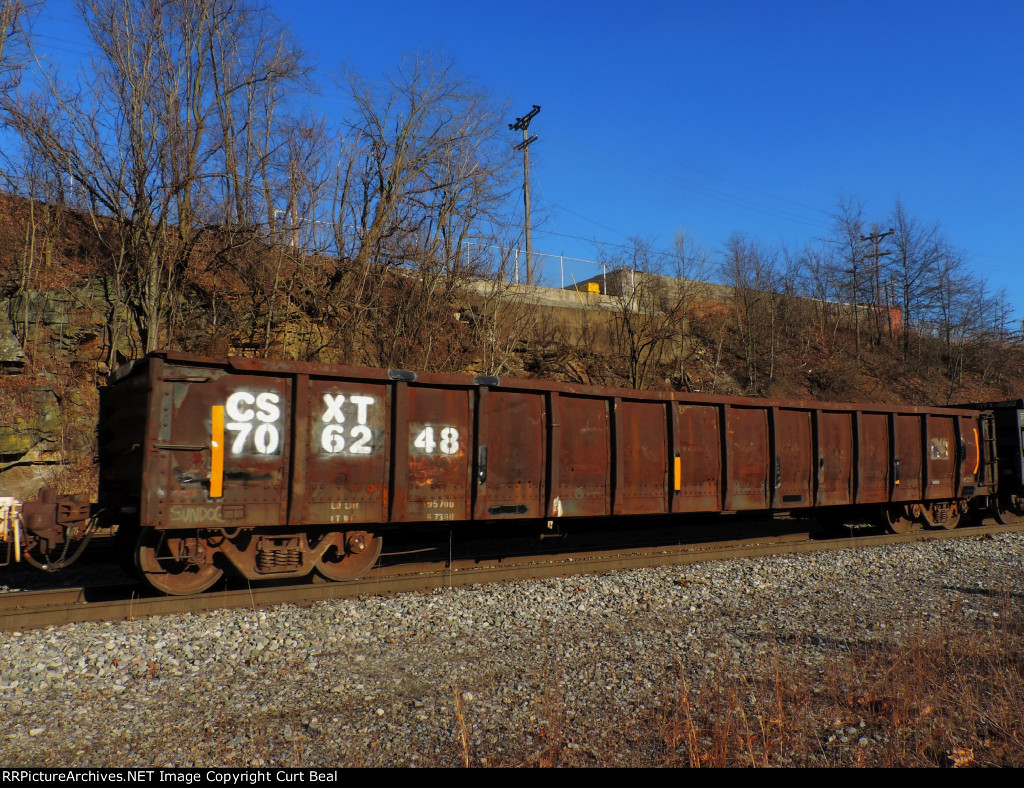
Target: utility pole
(876,238)
(524,123)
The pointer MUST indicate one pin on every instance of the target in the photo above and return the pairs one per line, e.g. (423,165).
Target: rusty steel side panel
(641,457)
(344,465)
(256,447)
(700,459)
(908,457)
(835,458)
(746,458)
(583,481)
(942,458)
(432,438)
(306,444)
(794,459)
(874,459)
(511,453)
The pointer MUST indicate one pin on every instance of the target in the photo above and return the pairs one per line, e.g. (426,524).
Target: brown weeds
(949,696)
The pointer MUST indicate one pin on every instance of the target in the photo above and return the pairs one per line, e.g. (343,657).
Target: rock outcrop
(51,355)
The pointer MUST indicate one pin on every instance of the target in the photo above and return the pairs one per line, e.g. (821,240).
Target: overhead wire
(720,196)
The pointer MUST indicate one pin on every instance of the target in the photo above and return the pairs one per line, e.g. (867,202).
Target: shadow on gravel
(989,592)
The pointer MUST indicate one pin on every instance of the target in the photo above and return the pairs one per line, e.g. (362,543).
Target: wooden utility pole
(524,123)
(876,238)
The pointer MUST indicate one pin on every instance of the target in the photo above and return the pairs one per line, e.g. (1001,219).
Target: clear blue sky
(715,117)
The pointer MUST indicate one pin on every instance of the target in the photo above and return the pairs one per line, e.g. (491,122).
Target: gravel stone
(478,675)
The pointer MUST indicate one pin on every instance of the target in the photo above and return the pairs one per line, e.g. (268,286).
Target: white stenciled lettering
(332,439)
(363,436)
(242,428)
(267,404)
(237,413)
(426,442)
(361,403)
(266,437)
(333,436)
(342,511)
(450,440)
(333,412)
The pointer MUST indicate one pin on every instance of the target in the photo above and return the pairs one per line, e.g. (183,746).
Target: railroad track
(26,610)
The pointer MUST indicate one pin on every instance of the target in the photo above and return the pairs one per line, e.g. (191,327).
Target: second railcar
(276,469)
(1007,426)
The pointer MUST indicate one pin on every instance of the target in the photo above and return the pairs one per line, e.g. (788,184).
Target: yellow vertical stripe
(217,451)
(977,452)
(679,473)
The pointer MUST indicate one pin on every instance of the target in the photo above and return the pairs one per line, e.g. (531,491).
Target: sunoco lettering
(195,514)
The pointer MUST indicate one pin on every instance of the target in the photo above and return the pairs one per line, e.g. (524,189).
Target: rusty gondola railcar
(275,469)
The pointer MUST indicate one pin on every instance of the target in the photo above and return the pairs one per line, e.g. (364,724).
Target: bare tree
(751,270)
(272,256)
(15,53)
(650,305)
(855,274)
(43,226)
(145,138)
(419,188)
(690,269)
(16,17)
(817,274)
(499,317)
(996,353)
(917,250)
(957,320)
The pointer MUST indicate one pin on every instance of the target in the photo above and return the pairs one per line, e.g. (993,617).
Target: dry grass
(952,696)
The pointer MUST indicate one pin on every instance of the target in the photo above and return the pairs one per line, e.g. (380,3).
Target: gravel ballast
(485,676)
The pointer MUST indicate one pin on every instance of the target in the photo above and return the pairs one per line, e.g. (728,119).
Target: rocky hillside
(69,313)
(54,356)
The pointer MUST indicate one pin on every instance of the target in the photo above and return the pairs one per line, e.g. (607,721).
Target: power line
(717,194)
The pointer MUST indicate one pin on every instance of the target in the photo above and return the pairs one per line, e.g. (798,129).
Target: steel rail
(21,611)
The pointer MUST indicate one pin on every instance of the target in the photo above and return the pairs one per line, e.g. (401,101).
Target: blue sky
(724,116)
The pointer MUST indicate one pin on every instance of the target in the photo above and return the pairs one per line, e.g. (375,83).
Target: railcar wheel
(361,551)
(1009,512)
(896,520)
(163,561)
